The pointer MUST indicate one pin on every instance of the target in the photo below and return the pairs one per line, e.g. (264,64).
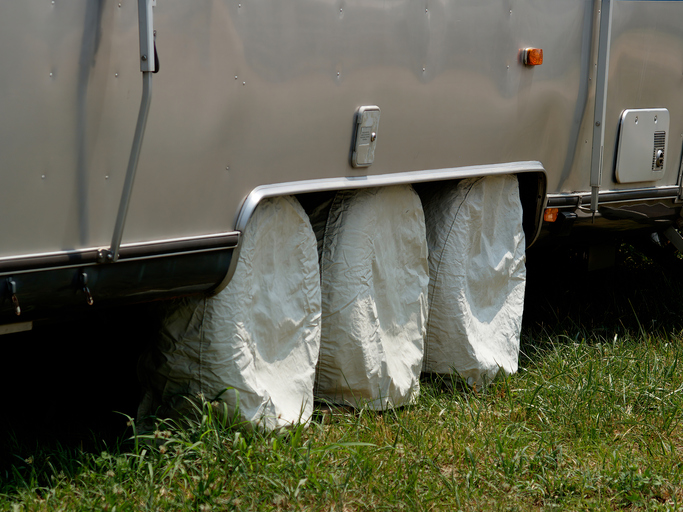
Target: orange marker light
(550,214)
(533,56)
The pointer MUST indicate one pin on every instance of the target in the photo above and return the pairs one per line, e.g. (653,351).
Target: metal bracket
(12,288)
(146,31)
(86,290)
(147,66)
(600,101)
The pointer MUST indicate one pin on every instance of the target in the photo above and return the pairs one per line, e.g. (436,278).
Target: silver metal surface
(640,139)
(112,254)
(147,61)
(146,24)
(365,136)
(263,92)
(288,55)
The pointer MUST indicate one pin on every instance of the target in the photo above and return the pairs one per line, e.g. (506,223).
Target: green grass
(593,420)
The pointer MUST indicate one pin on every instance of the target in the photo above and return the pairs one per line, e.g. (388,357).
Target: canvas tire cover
(477,278)
(374,298)
(259,337)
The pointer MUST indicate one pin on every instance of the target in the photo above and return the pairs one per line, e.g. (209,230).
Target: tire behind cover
(260,336)
(374,297)
(477,277)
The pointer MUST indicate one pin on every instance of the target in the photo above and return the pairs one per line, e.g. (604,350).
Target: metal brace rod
(146,24)
(674,237)
(680,181)
(600,101)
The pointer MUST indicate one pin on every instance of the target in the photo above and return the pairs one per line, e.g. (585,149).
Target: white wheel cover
(477,278)
(260,336)
(374,289)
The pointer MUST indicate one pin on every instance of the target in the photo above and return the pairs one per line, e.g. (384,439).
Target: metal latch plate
(643,144)
(367,124)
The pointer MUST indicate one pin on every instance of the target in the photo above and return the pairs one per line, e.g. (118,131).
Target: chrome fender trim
(352,182)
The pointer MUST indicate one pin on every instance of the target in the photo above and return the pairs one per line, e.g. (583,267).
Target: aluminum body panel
(69,93)
(259,92)
(645,72)
(646,59)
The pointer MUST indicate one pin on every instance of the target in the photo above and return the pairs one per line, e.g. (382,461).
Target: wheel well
(532,188)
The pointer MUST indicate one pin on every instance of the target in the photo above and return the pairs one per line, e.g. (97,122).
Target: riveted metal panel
(253,93)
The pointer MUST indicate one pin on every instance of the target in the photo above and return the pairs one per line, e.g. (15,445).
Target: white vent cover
(643,142)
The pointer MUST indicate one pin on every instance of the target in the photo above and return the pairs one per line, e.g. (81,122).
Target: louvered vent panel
(659,144)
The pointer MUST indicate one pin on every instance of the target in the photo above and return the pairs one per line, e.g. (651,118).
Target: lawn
(591,421)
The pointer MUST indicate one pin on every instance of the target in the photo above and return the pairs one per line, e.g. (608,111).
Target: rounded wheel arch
(532,190)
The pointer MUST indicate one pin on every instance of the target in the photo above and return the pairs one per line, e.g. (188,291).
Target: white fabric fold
(374,276)
(255,344)
(477,277)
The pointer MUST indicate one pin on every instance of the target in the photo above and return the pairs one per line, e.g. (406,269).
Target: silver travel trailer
(264,98)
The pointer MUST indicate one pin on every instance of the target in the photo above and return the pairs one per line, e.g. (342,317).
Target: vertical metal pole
(132,166)
(145,20)
(600,101)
